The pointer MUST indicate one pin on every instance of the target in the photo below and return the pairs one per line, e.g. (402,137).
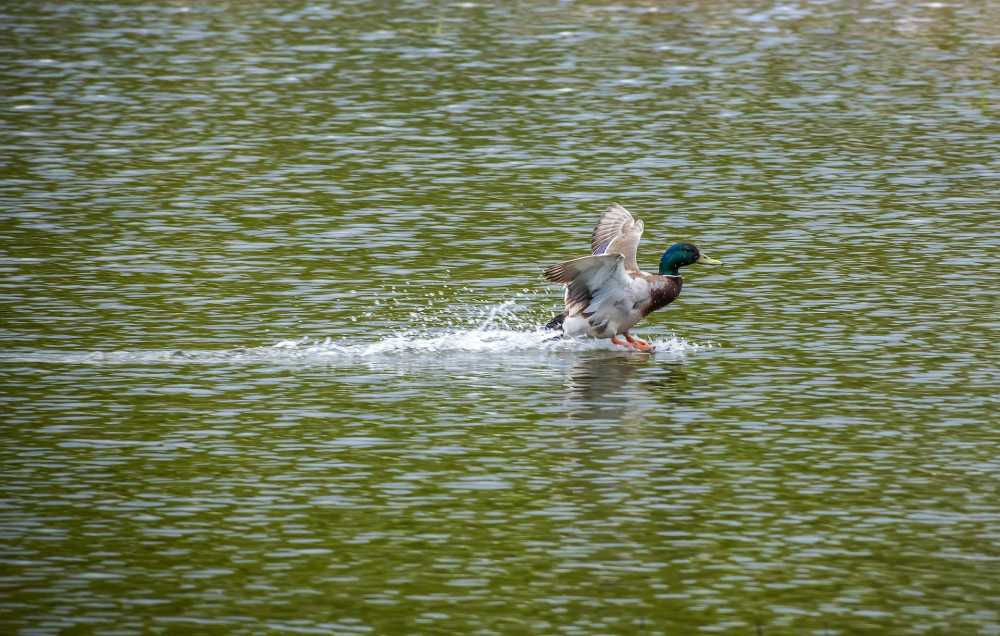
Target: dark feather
(561,273)
(556,323)
(663,291)
(578,296)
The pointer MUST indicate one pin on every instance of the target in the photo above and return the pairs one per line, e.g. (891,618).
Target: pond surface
(271,278)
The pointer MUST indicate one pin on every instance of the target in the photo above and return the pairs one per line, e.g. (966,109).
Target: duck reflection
(604,385)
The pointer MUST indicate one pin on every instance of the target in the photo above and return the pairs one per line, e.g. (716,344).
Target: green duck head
(680,255)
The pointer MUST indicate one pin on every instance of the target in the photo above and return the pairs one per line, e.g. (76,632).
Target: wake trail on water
(501,330)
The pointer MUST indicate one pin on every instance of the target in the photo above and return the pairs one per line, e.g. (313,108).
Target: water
(271,283)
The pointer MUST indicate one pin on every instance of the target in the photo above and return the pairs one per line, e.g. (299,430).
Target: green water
(271,274)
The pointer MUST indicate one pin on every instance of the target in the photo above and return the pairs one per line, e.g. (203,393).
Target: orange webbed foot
(639,345)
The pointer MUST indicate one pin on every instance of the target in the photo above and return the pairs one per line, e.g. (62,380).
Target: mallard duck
(607,293)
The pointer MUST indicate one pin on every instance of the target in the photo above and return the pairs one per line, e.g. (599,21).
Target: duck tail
(556,324)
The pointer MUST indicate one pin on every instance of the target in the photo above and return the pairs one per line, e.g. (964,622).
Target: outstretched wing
(590,281)
(617,232)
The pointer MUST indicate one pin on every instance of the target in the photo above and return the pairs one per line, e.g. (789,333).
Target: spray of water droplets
(436,325)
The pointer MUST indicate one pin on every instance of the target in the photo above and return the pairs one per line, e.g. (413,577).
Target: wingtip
(552,273)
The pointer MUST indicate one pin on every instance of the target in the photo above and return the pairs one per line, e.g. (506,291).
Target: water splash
(479,340)
(310,350)
(502,329)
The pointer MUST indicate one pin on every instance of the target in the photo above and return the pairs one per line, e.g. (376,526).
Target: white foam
(471,341)
(327,350)
(487,338)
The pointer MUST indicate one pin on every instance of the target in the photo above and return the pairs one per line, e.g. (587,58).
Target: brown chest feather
(663,291)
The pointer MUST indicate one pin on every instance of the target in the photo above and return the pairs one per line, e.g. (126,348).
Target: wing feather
(617,232)
(590,280)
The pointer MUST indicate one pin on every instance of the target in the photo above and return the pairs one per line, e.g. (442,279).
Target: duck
(606,293)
